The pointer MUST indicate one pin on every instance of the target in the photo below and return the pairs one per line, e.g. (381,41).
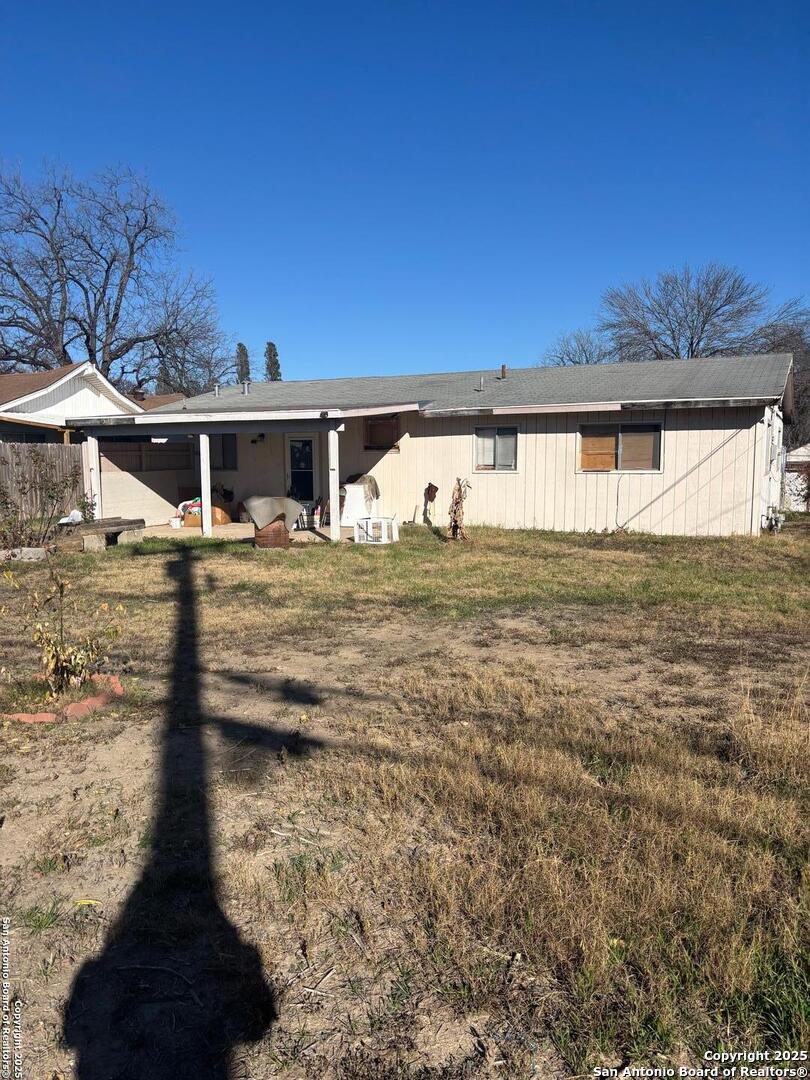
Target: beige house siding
(716,473)
(710,482)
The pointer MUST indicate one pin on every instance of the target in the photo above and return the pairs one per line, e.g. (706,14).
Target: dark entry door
(301,468)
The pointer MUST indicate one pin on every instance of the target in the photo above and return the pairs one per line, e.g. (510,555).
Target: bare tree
(87,272)
(684,313)
(577,348)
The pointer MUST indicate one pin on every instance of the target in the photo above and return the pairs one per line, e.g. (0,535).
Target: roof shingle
(20,384)
(715,378)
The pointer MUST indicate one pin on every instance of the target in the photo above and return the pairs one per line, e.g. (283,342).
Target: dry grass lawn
(512,808)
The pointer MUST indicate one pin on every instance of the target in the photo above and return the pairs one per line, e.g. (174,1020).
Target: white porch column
(92,461)
(205,484)
(332,438)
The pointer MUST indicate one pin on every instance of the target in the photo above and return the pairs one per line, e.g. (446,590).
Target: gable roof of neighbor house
(154,401)
(20,384)
(19,389)
(754,379)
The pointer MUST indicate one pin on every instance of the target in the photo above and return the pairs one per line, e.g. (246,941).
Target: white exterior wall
(710,481)
(78,397)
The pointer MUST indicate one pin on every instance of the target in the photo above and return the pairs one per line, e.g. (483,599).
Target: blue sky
(388,187)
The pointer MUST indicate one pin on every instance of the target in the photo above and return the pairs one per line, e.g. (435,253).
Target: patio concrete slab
(238,530)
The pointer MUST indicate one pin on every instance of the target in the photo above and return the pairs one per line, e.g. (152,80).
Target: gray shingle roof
(717,378)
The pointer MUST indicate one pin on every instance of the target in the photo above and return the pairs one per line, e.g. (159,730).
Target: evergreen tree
(272,364)
(242,363)
(163,380)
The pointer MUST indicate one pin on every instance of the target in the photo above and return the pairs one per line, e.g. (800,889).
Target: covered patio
(280,456)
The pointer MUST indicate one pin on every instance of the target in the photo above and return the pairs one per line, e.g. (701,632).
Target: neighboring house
(797,480)
(37,407)
(154,401)
(673,447)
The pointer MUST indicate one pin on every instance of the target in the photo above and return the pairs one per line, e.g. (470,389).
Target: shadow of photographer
(176,988)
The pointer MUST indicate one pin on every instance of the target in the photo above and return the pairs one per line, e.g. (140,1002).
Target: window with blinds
(496,449)
(135,456)
(620,447)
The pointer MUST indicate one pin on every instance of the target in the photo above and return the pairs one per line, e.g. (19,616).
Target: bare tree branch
(87,272)
(577,348)
(683,313)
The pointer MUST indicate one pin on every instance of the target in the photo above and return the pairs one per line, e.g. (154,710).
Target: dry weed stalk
(460,491)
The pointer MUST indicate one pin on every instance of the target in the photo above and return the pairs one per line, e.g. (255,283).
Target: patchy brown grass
(554,810)
(609,884)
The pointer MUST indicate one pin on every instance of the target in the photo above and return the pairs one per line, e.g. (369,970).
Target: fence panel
(23,466)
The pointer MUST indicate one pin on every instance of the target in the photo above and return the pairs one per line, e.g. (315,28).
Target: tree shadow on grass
(176,988)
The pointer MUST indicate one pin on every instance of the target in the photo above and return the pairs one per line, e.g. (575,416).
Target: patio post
(205,484)
(332,438)
(92,464)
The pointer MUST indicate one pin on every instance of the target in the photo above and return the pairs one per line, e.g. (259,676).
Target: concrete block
(23,554)
(95,542)
(130,536)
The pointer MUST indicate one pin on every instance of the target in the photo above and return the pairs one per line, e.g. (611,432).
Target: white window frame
(517,428)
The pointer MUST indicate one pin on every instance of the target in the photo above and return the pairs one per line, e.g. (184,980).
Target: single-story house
(673,447)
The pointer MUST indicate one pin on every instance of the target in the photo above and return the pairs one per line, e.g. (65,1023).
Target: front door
(301,468)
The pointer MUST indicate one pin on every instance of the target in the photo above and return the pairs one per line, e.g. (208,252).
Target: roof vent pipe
(246,387)
(503,371)
(480,384)
(216,389)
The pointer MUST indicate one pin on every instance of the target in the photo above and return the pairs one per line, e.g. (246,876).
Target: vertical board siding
(77,397)
(706,486)
(714,473)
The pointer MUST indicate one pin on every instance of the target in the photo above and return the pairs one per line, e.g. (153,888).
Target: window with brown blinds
(599,448)
(381,433)
(620,447)
(640,447)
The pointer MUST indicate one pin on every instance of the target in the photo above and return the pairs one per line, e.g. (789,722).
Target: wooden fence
(28,469)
